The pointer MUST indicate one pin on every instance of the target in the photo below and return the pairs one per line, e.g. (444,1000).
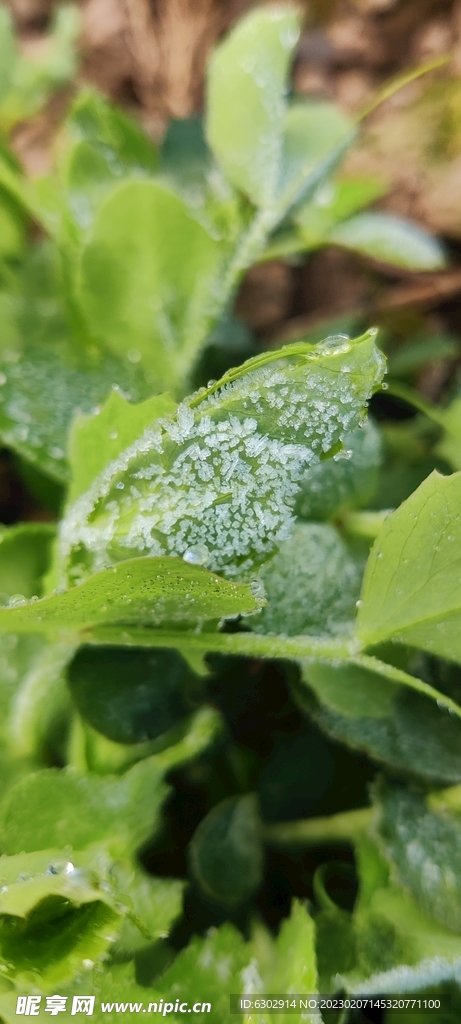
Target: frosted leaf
(311,585)
(223,471)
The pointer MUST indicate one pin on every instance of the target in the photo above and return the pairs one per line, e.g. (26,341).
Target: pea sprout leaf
(392,724)
(247,77)
(311,585)
(153,591)
(347,482)
(216,481)
(411,590)
(97,439)
(148,304)
(390,239)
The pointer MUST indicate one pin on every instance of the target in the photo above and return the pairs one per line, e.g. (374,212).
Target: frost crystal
(222,473)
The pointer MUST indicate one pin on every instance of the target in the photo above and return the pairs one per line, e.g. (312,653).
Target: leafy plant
(200,535)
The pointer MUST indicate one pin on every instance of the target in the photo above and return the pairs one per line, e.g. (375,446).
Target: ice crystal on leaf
(223,470)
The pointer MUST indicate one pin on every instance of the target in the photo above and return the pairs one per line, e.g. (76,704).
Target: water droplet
(113,435)
(16,600)
(384,386)
(197,555)
(134,355)
(211,383)
(60,867)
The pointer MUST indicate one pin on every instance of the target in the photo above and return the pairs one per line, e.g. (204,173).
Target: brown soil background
(150,56)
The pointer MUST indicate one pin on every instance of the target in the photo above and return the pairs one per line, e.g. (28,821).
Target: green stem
(247,644)
(401,81)
(345,827)
(412,397)
(397,675)
(364,524)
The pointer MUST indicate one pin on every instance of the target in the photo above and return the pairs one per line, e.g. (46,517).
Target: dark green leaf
(389,722)
(226,853)
(131,696)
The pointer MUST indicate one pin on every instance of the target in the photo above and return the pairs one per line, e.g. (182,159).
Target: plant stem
(312,831)
(364,524)
(248,644)
(402,80)
(412,397)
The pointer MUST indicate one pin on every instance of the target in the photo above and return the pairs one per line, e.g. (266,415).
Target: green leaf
(390,723)
(54,918)
(153,591)
(399,948)
(411,590)
(131,696)
(36,428)
(247,81)
(32,80)
(96,440)
(146,275)
(8,51)
(292,966)
(391,240)
(343,482)
(226,853)
(334,201)
(155,903)
(216,482)
(61,808)
(210,968)
(424,850)
(449,447)
(24,555)
(311,585)
(316,136)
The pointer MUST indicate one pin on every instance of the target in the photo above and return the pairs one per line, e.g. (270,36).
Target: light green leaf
(147,273)
(343,482)
(316,136)
(54,918)
(61,808)
(8,51)
(424,850)
(333,201)
(226,852)
(24,556)
(391,240)
(391,723)
(290,966)
(412,590)
(247,81)
(105,146)
(311,585)
(216,482)
(210,968)
(33,80)
(96,440)
(155,903)
(153,591)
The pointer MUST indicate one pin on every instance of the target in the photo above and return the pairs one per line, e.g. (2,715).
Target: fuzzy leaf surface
(216,481)
(343,482)
(390,239)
